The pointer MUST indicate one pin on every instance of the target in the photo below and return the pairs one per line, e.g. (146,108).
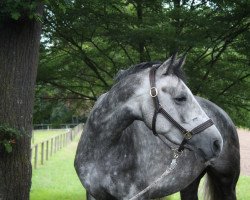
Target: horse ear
(180,62)
(176,65)
(167,66)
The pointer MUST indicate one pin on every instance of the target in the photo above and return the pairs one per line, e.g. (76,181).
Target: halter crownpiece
(159,109)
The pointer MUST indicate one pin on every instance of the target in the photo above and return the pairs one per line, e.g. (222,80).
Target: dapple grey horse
(118,156)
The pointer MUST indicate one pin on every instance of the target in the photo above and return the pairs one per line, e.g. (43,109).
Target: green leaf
(7,147)
(15,15)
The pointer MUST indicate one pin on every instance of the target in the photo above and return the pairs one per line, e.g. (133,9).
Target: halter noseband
(159,109)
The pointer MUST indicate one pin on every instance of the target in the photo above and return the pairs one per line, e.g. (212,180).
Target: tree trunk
(19,48)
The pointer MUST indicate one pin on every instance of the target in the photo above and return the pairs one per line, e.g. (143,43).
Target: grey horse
(118,156)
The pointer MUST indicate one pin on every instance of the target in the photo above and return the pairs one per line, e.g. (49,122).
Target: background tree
(19,45)
(86,43)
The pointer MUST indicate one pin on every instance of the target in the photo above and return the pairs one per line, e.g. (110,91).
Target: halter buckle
(153,92)
(188,135)
(176,153)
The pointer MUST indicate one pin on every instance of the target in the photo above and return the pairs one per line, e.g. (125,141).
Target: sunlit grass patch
(57,180)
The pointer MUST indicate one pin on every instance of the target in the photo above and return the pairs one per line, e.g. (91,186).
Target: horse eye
(180,99)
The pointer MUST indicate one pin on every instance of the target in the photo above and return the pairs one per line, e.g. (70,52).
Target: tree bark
(19,49)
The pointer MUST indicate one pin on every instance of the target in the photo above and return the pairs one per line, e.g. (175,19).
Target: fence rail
(49,147)
(52,126)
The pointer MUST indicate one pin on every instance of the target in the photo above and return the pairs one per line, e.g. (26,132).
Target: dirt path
(244,136)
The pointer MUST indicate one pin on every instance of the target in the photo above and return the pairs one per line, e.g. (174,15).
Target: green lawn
(57,180)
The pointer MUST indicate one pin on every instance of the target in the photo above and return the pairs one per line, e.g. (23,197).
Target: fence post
(47,150)
(35,158)
(51,146)
(54,145)
(42,152)
(60,141)
(57,145)
(63,138)
(67,137)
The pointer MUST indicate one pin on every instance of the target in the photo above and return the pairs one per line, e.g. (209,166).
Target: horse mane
(145,65)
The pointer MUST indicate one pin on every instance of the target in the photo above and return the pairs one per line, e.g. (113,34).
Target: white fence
(52,126)
(42,151)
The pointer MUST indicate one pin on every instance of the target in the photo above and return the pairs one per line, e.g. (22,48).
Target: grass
(243,188)
(57,180)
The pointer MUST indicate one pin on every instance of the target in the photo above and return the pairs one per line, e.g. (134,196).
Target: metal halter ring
(176,153)
(153,92)
(188,135)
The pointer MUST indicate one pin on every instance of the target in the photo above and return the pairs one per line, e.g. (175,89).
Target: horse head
(188,123)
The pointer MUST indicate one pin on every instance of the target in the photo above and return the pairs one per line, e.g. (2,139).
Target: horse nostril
(216,147)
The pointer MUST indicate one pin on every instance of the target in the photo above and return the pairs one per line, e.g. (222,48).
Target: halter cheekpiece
(159,109)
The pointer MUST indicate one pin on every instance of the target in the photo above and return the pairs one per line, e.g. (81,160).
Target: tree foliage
(85,43)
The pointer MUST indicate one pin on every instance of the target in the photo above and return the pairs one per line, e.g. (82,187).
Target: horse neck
(112,114)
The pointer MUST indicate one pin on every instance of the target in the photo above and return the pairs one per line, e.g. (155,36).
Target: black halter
(158,109)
